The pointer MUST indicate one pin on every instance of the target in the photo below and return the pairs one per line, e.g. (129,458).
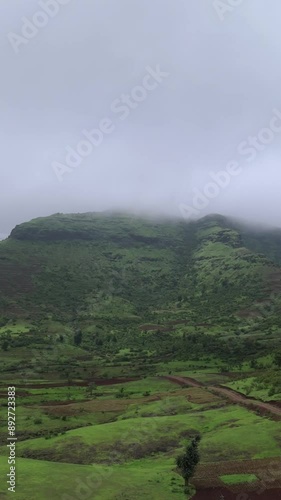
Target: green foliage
(188,461)
(91,388)
(37,421)
(277,359)
(78,338)
(103,256)
(121,393)
(107,282)
(5,344)
(238,478)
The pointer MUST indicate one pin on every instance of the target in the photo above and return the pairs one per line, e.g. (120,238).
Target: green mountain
(122,280)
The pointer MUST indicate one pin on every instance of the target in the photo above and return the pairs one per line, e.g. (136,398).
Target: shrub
(121,393)
(146,393)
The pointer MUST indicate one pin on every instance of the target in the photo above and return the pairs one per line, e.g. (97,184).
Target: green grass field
(41,480)
(248,436)
(121,441)
(238,478)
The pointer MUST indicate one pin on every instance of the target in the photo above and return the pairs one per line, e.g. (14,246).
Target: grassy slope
(41,480)
(126,457)
(238,478)
(129,439)
(129,451)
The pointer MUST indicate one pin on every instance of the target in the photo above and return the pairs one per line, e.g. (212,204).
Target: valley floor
(118,438)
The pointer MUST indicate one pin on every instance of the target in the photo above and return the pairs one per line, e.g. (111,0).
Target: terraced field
(124,431)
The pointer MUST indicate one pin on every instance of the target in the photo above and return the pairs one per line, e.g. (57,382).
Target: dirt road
(234,396)
(240,398)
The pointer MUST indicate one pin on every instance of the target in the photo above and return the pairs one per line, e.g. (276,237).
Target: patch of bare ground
(202,396)
(267,471)
(222,493)
(183,381)
(105,405)
(79,383)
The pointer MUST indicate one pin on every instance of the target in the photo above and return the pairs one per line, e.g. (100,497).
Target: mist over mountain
(169,94)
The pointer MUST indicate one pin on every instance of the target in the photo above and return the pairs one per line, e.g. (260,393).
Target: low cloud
(216,107)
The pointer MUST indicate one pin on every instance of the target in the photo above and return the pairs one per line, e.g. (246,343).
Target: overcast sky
(220,86)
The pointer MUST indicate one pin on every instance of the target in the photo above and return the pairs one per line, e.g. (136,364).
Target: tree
(78,338)
(5,345)
(254,364)
(91,387)
(277,359)
(188,461)
(121,393)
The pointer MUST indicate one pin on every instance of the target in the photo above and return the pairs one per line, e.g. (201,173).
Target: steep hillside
(73,264)
(116,276)
(261,239)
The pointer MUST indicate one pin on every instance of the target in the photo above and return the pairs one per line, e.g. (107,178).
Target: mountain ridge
(210,238)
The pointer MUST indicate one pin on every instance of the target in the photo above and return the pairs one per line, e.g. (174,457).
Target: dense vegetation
(109,282)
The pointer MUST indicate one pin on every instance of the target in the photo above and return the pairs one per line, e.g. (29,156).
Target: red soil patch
(248,313)
(18,393)
(161,328)
(260,466)
(178,322)
(82,383)
(267,470)
(200,395)
(274,278)
(62,403)
(275,403)
(225,494)
(93,406)
(184,381)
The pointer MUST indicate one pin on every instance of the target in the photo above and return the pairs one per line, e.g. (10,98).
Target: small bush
(146,393)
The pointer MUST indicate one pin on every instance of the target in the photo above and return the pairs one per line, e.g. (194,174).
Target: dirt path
(240,398)
(234,396)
